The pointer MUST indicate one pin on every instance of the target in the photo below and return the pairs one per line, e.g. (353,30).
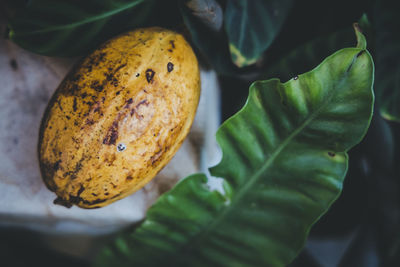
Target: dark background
(368,211)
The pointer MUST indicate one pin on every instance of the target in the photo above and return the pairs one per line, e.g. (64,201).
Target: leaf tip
(361,41)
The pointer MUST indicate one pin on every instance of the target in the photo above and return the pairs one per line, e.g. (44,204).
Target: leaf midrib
(253,179)
(82,22)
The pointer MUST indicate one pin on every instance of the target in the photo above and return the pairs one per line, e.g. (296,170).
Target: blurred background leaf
(387,81)
(363,250)
(308,55)
(206,33)
(252,26)
(72,27)
(209,12)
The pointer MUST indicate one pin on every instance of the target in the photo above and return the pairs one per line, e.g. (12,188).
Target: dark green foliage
(387,85)
(72,27)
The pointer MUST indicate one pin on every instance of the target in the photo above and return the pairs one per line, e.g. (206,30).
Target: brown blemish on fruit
(170,66)
(73,174)
(78,200)
(110,77)
(110,159)
(133,110)
(172,42)
(149,75)
(59,104)
(97,108)
(119,67)
(96,59)
(89,122)
(156,157)
(143,102)
(56,165)
(73,90)
(97,86)
(116,196)
(81,189)
(112,134)
(128,103)
(49,170)
(97,201)
(74,105)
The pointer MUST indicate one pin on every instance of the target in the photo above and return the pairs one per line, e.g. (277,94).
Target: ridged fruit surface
(119,117)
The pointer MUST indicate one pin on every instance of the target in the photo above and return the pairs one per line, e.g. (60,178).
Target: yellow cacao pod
(119,117)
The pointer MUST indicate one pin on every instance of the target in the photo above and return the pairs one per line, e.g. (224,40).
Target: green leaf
(252,27)
(209,39)
(284,161)
(70,28)
(387,86)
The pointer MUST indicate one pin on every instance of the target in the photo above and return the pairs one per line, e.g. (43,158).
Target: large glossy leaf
(252,26)
(387,87)
(71,27)
(284,161)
